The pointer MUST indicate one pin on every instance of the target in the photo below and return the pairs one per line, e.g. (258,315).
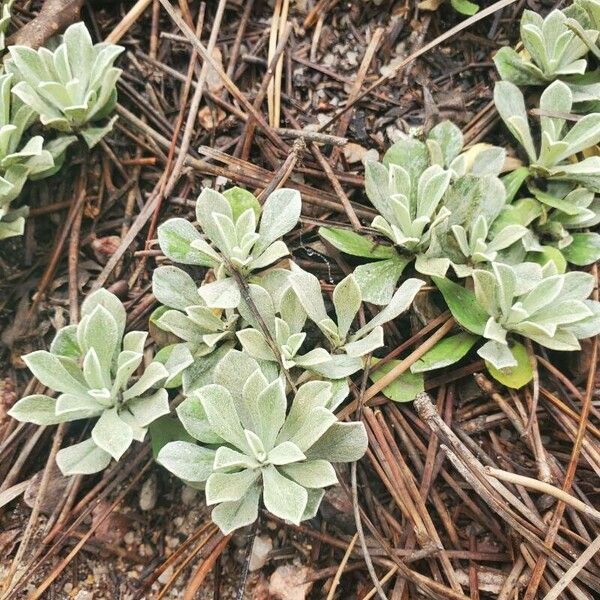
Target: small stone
(260,552)
(129,538)
(188,495)
(68,588)
(149,493)
(288,582)
(84,595)
(166,575)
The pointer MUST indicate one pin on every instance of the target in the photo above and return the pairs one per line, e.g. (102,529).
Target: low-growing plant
(552,50)
(566,202)
(528,300)
(252,446)
(71,88)
(20,158)
(234,243)
(92,366)
(422,190)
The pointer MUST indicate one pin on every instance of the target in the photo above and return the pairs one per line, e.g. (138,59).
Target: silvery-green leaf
(272,254)
(101,332)
(128,362)
(511,107)
(267,411)
(71,407)
(409,154)
(263,304)
(232,372)
(92,135)
(50,372)
(221,294)
(84,458)
(292,311)
(308,428)
(175,238)
(210,204)
(400,302)
(340,365)
(432,265)
(227,459)
(563,339)
(112,434)
(229,516)
(255,344)
(229,487)
(546,292)
(449,138)
(584,134)
(308,290)
(65,342)
(194,419)
(110,302)
(378,189)
(494,331)
(497,354)
(315,496)
(134,341)
(312,473)
(317,357)
(590,326)
(285,453)
(339,392)
(94,375)
(149,408)
(365,345)
(506,237)
(346,300)
(37,409)
(187,461)
(377,280)
(283,497)
(222,415)
(174,287)
(280,214)
(153,374)
(342,442)
(182,326)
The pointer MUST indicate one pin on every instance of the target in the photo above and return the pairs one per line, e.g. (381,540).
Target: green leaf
(164,430)
(464,7)
(549,253)
(584,249)
(346,300)
(404,388)
(311,473)
(463,305)
(173,287)
(446,352)
(240,201)
(65,342)
(515,377)
(280,215)
(342,442)
(352,243)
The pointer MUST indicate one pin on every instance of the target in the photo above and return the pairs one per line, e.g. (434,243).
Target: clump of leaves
(567,201)
(92,366)
(252,446)
(559,143)
(19,159)
(233,244)
(421,191)
(72,87)
(184,314)
(552,50)
(529,300)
